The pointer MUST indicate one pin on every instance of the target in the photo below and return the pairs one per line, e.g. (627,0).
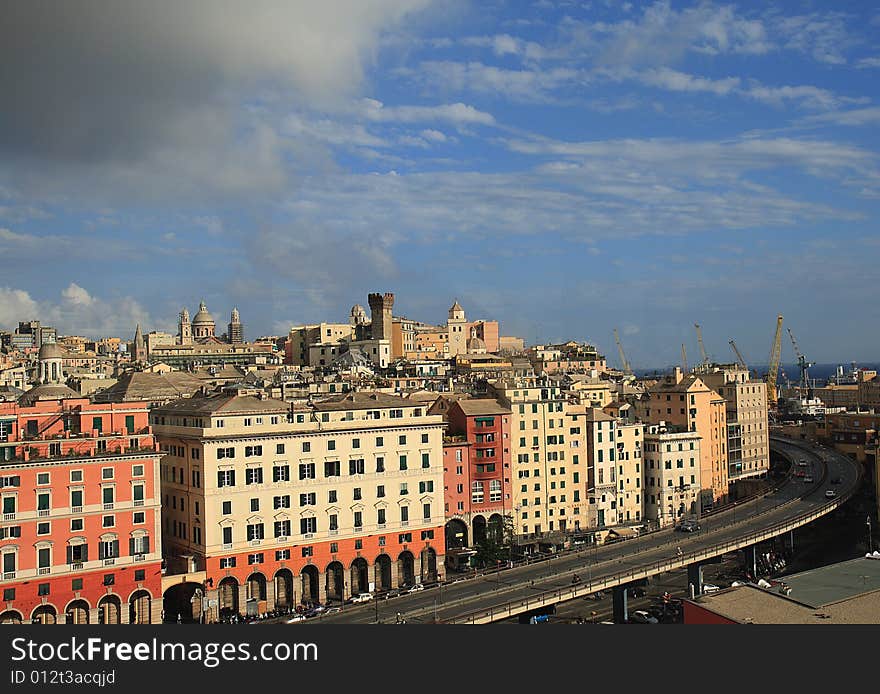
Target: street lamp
(868,523)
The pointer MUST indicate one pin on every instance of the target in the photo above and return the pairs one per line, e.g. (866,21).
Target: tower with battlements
(381,306)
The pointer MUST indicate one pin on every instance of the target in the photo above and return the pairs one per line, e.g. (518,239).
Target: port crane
(703,354)
(803,365)
(684,359)
(739,357)
(627,369)
(773,369)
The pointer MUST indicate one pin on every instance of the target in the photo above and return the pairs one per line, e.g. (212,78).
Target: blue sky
(563,167)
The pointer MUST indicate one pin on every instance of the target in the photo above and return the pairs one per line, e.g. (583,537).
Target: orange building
(79,487)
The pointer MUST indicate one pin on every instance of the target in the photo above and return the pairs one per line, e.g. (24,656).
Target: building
(297,348)
(510,345)
(184,328)
(548,474)
(481,428)
(843,593)
(488,332)
(235,330)
(629,438)
(213,352)
(748,432)
(139,346)
(687,402)
(156,338)
(671,473)
(456,331)
(566,358)
(79,487)
(853,433)
(279,505)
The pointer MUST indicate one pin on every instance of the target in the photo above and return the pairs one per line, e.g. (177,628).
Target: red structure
(484,425)
(79,489)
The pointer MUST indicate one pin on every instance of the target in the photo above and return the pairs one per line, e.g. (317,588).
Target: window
(356,466)
(401,439)
(308,525)
(426,460)
(43,528)
(76,524)
(380,464)
(380,516)
(477,493)
(280,473)
(43,478)
(404,537)
(282,528)
(358,519)
(332,468)
(334,522)
(427,534)
(331,445)
(355,443)
(227,536)
(254,531)
(495,490)
(76,476)
(308,499)
(250,451)
(253,475)
(255,558)
(226,478)
(426,511)
(108,521)
(138,518)
(282,554)
(43,589)
(404,514)
(306,447)
(281,501)
(227,563)
(426,487)
(255,505)
(403,488)
(380,441)
(331,496)
(307,471)
(357,494)
(225,453)
(403,462)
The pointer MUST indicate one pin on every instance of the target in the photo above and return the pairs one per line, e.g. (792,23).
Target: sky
(565,168)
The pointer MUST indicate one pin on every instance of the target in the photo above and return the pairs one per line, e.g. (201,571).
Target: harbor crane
(773,369)
(739,357)
(703,354)
(627,369)
(803,365)
(684,359)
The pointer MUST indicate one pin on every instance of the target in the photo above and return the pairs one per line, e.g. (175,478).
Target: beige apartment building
(283,505)
(548,475)
(748,432)
(301,337)
(687,402)
(671,473)
(601,448)
(629,439)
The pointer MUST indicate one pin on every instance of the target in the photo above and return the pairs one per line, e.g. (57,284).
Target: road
(525,588)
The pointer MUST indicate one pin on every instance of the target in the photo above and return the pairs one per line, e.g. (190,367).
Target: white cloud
(673,80)
(457,113)
(433,135)
(77,312)
(854,117)
(871,62)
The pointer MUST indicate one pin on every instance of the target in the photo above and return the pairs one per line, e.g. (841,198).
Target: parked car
(710,588)
(688,526)
(332,610)
(642,617)
(830,493)
(416,588)
(808,480)
(362,597)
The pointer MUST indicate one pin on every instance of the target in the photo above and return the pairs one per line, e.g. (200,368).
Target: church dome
(50,351)
(475,345)
(47,391)
(203,317)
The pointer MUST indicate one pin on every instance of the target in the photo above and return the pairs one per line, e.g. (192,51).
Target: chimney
(677,374)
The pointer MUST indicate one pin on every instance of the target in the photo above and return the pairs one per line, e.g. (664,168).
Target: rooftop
(362,400)
(481,406)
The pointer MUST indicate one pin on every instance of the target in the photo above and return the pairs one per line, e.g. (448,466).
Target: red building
(479,497)
(79,488)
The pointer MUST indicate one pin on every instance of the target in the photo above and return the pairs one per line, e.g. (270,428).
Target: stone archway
(284,593)
(456,534)
(139,607)
(227,597)
(10,617)
(183,602)
(110,610)
(495,528)
(360,576)
(429,565)
(406,574)
(310,591)
(44,614)
(480,529)
(335,581)
(382,572)
(256,586)
(77,612)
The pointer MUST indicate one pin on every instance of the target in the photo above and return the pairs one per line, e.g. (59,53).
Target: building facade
(671,473)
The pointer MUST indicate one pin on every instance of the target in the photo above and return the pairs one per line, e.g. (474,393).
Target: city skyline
(562,169)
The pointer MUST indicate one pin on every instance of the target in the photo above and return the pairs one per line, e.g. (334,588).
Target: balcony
(76,566)
(76,509)
(140,557)
(334,531)
(109,562)
(227,545)
(43,512)
(139,503)
(44,571)
(8,516)
(108,506)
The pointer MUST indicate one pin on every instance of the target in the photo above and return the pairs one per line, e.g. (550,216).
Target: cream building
(629,438)
(333,499)
(601,449)
(549,464)
(671,473)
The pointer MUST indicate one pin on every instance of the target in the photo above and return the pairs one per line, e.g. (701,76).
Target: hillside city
(202,477)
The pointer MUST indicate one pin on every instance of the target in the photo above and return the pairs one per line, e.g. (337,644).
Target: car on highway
(830,493)
(637,592)
(802,463)
(808,480)
(710,588)
(688,526)
(362,597)
(415,588)
(642,617)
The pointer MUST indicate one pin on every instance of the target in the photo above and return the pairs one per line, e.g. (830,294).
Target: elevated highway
(539,585)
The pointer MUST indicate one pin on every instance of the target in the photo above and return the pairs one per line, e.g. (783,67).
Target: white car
(362,597)
(830,493)
(710,588)
(416,588)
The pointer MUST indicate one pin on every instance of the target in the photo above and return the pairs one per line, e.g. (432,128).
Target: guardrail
(513,608)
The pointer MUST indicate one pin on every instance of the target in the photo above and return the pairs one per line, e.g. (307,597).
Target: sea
(820,372)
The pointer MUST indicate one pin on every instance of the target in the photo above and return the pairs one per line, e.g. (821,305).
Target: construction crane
(803,365)
(626,367)
(739,357)
(773,369)
(684,358)
(705,361)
